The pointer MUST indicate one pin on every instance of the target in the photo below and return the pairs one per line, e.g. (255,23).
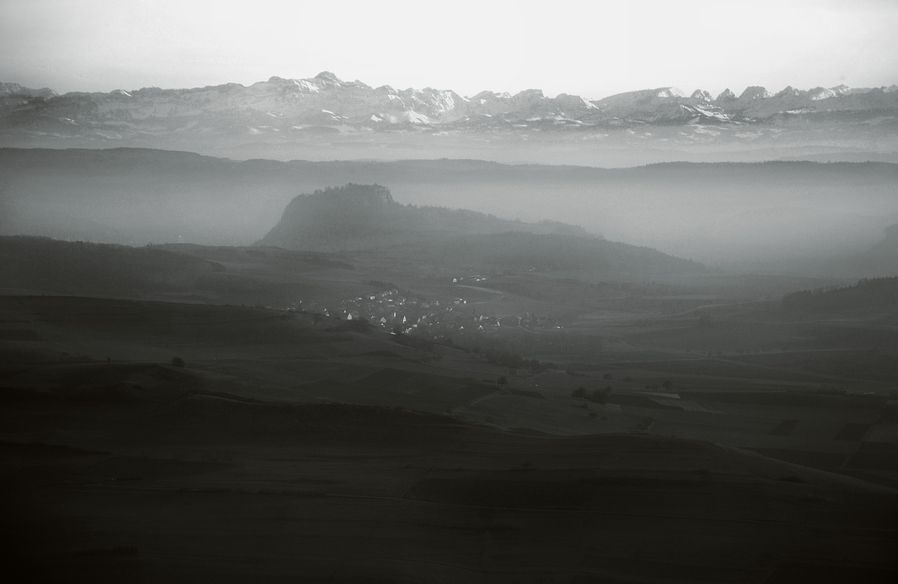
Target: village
(402,312)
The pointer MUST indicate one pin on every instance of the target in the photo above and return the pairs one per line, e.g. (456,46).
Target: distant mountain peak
(668,92)
(755,92)
(726,95)
(788,91)
(281,108)
(17,89)
(328,77)
(573,101)
(818,93)
(701,95)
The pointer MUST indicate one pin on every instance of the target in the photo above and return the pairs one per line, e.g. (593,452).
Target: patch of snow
(306,86)
(416,118)
(841,89)
(707,112)
(669,92)
(701,95)
(822,93)
(443,101)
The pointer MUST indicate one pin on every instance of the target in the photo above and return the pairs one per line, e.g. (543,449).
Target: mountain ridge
(326,100)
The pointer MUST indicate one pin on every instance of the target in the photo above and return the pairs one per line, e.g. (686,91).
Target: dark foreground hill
(253,457)
(237,275)
(42,264)
(876,294)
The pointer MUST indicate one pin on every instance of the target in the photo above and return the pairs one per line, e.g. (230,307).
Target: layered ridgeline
(325,117)
(714,213)
(366,218)
(326,100)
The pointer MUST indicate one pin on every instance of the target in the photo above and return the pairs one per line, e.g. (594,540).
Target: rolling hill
(367,219)
(364,216)
(709,212)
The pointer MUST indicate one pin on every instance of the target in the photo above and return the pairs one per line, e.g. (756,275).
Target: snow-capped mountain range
(327,101)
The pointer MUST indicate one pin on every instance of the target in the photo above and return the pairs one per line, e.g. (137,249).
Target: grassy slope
(232,469)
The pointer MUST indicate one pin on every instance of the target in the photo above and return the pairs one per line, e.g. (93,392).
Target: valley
(508,292)
(164,439)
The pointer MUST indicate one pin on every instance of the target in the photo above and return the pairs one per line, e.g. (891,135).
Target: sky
(590,48)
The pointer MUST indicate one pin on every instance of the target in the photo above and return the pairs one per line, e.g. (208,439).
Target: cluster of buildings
(473,279)
(399,312)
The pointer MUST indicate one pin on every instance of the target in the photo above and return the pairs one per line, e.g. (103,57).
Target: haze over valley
(319,330)
(770,216)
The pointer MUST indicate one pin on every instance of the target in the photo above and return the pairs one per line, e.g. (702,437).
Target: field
(305,448)
(563,297)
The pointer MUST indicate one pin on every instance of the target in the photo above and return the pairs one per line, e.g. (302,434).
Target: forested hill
(868,294)
(358,216)
(365,218)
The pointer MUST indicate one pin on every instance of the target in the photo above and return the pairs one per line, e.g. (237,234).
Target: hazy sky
(586,47)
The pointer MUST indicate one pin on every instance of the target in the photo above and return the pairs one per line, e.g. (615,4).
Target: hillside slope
(709,212)
(366,218)
(363,216)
